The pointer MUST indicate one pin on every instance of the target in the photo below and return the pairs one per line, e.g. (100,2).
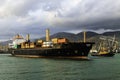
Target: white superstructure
(17,40)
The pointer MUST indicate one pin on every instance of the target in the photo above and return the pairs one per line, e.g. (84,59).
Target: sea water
(97,68)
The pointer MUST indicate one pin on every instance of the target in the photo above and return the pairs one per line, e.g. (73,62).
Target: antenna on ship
(47,35)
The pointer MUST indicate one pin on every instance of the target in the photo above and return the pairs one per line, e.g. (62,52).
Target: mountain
(91,36)
(70,36)
(88,34)
(116,33)
(5,42)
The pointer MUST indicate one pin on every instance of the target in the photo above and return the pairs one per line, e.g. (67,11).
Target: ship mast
(84,36)
(47,35)
(28,37)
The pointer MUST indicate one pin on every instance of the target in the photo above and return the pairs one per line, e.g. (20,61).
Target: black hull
(71,50)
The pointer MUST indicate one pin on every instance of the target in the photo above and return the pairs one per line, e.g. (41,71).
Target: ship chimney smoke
(47,35)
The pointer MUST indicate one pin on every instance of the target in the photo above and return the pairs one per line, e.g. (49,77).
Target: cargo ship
(51,48)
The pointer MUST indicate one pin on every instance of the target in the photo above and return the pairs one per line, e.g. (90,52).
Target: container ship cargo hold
(54,48)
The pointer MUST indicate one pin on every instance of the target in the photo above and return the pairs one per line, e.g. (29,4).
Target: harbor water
(97,68)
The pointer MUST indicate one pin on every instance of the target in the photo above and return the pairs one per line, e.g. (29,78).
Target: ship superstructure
(16,42)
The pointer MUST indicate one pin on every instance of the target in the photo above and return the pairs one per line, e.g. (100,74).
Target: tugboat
(106,47)
(54,48)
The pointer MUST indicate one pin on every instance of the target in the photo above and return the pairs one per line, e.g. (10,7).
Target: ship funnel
(47,35)
(84,36)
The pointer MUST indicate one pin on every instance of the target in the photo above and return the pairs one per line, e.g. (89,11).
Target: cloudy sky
(34,16)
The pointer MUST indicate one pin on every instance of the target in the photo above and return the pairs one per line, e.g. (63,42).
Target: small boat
(106,47)
(103,53)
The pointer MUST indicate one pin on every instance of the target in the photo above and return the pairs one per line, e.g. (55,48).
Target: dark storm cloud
(34,16)
(94,15)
